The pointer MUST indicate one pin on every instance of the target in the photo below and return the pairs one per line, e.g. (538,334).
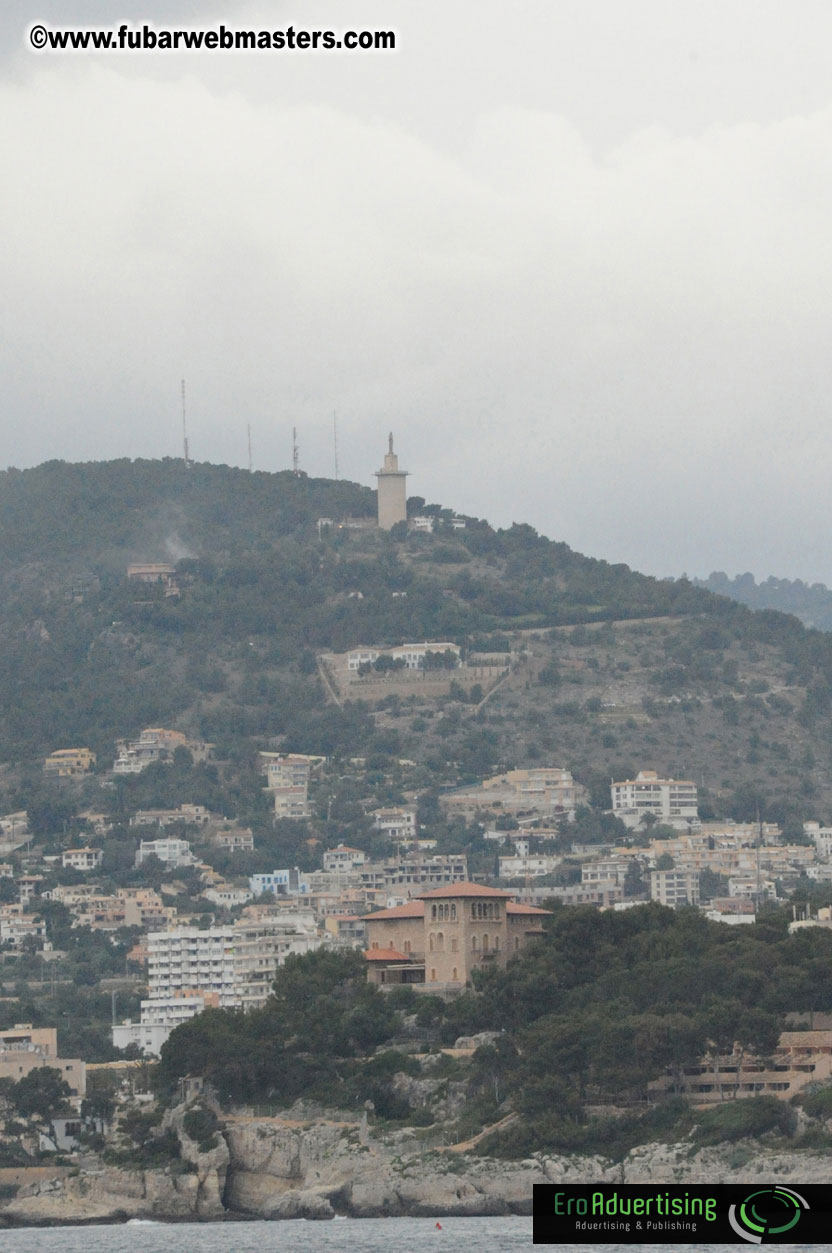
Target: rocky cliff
(319,1167)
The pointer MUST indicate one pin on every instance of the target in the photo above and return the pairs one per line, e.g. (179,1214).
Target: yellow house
(66,763)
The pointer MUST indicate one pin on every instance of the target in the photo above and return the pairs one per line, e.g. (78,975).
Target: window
(455,976)
(473,943)
(454,944)
(433,913)
(453,913)
(430,942)
(485,943)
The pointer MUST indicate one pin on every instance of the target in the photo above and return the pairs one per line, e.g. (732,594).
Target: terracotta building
(442,936)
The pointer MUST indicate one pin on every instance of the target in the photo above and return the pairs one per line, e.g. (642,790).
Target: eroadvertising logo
(682,1214)
(768,1212)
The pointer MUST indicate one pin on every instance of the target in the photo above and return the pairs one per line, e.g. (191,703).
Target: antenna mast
(295,452)
(249,448)
(185,430)
(335,441)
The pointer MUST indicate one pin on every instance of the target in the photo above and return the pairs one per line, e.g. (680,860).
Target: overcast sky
(574,253)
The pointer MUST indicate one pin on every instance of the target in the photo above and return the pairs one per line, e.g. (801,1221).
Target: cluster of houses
(415,913)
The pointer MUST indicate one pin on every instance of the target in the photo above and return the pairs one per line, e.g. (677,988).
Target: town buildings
(671,801)
(538,791)
(68,763)
(288,776)
(800,1058)
(674,887)
(171,851)
(398,824)
(24,1048)
(82,858)
(442,936)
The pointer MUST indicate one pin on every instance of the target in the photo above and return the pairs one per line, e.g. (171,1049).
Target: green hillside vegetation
(587,1016)
(617,670)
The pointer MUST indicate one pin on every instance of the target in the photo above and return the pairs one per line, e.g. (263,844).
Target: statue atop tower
(392,493)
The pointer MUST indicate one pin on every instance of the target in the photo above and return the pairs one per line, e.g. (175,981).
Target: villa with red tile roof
(442,936)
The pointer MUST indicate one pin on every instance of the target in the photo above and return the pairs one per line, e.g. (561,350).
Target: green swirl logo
(771,1212)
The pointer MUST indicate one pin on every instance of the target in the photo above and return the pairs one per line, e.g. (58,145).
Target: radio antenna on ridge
(295,452)
(249,448)
(185,430)
(335,441)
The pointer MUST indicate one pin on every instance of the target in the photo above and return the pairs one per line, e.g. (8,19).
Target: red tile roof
(385,955)
(411,909)
(514,907)
(463,889)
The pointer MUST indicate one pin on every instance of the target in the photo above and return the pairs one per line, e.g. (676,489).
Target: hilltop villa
(440,937)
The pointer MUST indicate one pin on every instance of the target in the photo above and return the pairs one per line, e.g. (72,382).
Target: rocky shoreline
(269,1168)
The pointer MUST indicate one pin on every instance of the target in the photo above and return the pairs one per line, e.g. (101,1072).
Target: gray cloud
(580,265)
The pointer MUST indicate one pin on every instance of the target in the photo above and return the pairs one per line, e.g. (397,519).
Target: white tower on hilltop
(392,495)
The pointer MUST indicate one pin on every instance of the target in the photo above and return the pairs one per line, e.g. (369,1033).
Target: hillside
(613,670)
(810,602)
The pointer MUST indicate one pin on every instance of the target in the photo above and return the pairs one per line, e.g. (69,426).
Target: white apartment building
(604,870)
(196,815)
(674,887)
(17,927)
(343,859)
(285,882)
(530,865)
(237,962)
(82,858)
(171,851)
(822,837)
(672,801)
(287,778)
(226,896)
(397,824)
(158,1018)
(413,655)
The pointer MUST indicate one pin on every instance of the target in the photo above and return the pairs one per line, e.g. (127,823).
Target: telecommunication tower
(185,430)
(295,452)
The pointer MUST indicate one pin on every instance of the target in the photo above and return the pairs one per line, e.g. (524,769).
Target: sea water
(358,1235)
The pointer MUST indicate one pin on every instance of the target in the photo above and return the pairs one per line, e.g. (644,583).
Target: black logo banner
(697,1213)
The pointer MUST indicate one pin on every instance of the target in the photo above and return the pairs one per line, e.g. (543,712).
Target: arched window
(473,911)
(433,913)
(496,944)
(474,943)
(453,913)
(433,975)
(485,943)
(516,943)
(430,942)
(454,944)
(407,946)
(440,942)
(455,976)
